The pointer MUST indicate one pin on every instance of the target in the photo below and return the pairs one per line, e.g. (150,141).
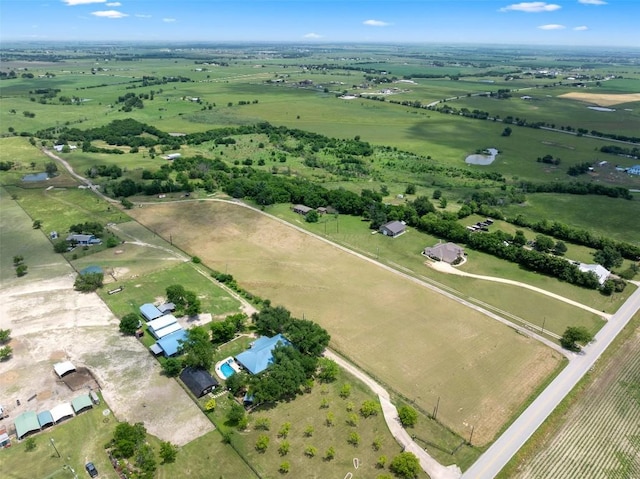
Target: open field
(367,311)
(603,99)
(598,434)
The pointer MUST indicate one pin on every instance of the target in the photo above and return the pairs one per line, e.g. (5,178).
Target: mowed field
(421,344)
(599,437)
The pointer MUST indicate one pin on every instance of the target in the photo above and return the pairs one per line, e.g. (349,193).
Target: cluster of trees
(88,227)
(294,365)
(502,245)
(19,265)
(184,300)
(130,101)
(579,169)
(225,330)
(620,150)
(129,443)
(6,165)
(5,350)
(577,188)
(578,236)
(549,160)
(111,171)
(88,282)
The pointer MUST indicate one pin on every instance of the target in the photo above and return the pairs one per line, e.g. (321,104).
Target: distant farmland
(599,437)
(421,344)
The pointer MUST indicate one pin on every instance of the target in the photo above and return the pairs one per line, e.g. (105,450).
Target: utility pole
(471,435)
(544,320)
(54,446)
(435,410)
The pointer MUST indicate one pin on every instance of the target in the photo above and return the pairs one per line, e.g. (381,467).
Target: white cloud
(140,15)
(312,35)
(531,7)
(375,23)
(109,14)
(168,20)
(71,3)
(113,4)
(592,2)
(581,28)
(552,26)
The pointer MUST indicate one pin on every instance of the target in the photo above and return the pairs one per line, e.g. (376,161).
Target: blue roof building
(150,312)
(45,419)
(260,355)
(634,170)
(171,343)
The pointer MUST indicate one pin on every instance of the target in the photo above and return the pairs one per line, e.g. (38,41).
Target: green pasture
(151,287)
(78,441)
(60,208)
(18,238)
(611,218)
(404,253)
(307,411)
(547,106)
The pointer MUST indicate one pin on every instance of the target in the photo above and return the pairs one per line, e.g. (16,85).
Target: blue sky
(572,22)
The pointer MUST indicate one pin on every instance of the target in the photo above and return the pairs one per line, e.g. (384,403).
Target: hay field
(422,345)
(603,99)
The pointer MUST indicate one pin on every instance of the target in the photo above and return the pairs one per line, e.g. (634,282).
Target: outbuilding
(393,228)
(61,412)
(26,423)
(81,403)
(64,368)
(301,209)
(45,419)
(198,380)
(150,312)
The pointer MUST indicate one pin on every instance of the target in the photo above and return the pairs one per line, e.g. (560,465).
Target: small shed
(199,381)
(81,403)
(301,209)
(150,312)
(61,412)
(393,228)
(166,308)
(64,368)
(26,423)
(45,419)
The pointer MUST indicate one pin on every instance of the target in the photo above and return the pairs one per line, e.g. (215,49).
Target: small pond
(35,177)
(483,159)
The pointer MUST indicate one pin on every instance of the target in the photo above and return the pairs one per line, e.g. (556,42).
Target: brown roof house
(393,228)
(448,252)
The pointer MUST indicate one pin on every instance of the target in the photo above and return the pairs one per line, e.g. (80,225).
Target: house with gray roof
(393,228)
(448,252)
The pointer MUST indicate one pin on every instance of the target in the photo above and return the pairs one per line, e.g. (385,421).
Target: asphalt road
(497,456)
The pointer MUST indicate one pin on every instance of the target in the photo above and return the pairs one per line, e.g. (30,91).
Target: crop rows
(601,435)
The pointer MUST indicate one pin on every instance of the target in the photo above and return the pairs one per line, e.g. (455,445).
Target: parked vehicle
(91,469)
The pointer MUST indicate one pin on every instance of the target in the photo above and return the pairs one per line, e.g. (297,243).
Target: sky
(601,23)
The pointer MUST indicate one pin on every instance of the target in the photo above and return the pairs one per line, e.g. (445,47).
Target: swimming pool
(227,370)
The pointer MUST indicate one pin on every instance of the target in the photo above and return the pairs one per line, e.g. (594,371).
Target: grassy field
(368,310)
(404,253)
(594,430)
(94,429)
(307,416)
(18,238)
(150,287)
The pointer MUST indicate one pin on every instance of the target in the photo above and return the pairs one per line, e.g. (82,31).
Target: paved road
(497,456)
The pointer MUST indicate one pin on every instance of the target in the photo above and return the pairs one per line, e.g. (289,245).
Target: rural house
(260,355)
(600,271)
(634,170)
(448,252)
(85,240)
(393,228)
(199,381)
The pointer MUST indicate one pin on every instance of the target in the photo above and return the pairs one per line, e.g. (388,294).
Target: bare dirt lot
(51,322)
(603,99)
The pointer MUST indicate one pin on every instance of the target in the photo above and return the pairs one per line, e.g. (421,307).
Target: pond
(35,177)
(483,159)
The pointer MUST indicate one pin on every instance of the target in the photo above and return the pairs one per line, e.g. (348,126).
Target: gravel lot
(51,322)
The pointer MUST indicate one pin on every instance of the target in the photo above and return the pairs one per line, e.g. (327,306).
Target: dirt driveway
(51,322)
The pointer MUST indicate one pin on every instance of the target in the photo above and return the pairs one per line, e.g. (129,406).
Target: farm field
(598,434)
(367,313)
